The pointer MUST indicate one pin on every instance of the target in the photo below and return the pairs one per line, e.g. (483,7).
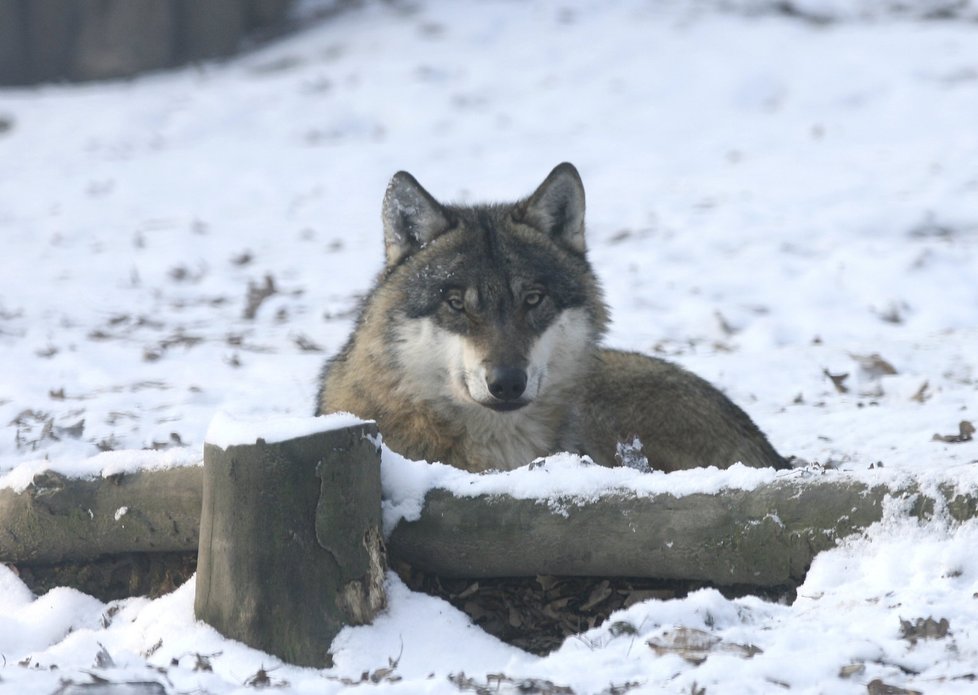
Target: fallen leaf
(874,365)
(838,380)
(921,395)
(966,431)
(924,628)
(878,687)
(696,646)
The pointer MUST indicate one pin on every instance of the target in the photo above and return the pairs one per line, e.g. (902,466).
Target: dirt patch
(114,577)
(538,613)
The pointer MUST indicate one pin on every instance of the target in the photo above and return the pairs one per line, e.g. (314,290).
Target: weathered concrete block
(290,545)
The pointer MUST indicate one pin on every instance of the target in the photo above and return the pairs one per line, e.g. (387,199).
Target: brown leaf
(258,294)
(966,431)
(878,687)
(923,628)
(852,670)
(921,394)
(838,380)
(305,344)
(243,258)
(874,365)
(696,646)
(597,595)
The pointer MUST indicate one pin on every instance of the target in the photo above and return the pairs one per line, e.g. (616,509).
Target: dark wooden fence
(77,40)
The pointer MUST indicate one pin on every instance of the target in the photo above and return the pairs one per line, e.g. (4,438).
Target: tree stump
(290,543)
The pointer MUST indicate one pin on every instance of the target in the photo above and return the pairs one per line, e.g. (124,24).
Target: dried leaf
(73,431)
(103,659)
(852,670)
(966,431)
(622,627)
(305,344)
(259,680)
(873,365)
(381,674)
(597,595)
(878,687)
(258,294)
(838,380)
(243,258)
(924,628)
(696,646)
(921,395)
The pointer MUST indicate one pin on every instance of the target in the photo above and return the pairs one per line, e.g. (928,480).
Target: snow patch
(560,482)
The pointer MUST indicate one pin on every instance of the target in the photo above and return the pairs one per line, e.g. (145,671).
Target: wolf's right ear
(556,208)
(412,217)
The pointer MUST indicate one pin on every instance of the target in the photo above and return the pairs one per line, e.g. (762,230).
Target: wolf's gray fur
(479,347)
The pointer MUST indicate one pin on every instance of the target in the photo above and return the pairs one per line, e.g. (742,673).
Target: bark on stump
(290,543)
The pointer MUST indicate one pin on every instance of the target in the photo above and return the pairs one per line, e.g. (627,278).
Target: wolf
(479,346)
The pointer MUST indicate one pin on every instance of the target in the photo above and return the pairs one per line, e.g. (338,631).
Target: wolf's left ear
(412,217)
(556,208)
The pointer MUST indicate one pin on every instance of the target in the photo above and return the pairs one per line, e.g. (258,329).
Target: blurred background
(777,191)
(52,40)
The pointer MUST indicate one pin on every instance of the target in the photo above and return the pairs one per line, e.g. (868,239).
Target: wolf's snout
(506,383)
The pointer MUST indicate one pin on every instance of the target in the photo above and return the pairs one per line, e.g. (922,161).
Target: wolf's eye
(455,302)
(533,298)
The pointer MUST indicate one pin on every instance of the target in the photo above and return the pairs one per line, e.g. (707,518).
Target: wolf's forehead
(499,266)
(483,274)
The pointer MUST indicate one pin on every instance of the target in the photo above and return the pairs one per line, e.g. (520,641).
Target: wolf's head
(494,305)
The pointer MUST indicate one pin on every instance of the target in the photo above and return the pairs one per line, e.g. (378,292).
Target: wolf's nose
(506,383)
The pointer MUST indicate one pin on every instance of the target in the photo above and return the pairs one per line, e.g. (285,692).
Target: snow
(772,197)
(229,430)
(558,481)
(105,464)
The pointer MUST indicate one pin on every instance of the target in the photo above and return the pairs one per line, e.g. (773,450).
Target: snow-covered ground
(772,200)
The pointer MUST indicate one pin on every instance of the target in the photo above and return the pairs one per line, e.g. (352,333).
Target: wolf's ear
(556,208)
(412,217)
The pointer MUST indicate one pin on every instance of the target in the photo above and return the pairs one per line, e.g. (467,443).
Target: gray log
(765,537)
(58,519)
(290,545)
